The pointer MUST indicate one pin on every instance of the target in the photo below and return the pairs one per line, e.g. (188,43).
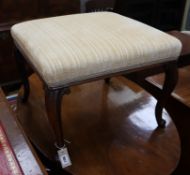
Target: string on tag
(64,146)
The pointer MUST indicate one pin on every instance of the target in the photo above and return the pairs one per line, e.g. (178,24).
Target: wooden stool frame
(53,95)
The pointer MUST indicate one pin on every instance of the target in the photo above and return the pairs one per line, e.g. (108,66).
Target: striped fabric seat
(78,47)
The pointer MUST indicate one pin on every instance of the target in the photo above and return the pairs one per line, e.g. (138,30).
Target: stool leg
(23,74)
(53,100)
(171,77)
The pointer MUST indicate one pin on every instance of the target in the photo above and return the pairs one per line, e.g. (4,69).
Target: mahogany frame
(53,95)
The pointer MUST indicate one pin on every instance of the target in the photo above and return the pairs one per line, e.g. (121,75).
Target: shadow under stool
(70,50)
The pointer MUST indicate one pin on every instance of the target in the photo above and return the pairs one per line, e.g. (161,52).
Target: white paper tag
(64,157)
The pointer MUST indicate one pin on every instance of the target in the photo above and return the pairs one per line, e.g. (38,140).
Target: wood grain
(112,129)
(24,152)
(182,90)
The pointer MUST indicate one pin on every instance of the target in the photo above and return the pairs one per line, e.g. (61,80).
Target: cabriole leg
(171,77)
(53,100)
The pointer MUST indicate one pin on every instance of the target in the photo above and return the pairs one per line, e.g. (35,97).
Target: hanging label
(64,157)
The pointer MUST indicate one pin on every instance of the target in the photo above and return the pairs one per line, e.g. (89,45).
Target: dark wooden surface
(24,152)
(8,70)
(183,86)
(112,129)
(99,5)
(163,14)
(181,113)
(11,10)
(179,108)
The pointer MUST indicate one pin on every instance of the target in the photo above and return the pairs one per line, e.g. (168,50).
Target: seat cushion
(184,37)
(72,48)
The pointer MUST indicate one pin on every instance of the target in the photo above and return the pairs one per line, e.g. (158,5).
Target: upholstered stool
(74,49)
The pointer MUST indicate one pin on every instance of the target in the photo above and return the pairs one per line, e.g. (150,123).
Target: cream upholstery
(71,48)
